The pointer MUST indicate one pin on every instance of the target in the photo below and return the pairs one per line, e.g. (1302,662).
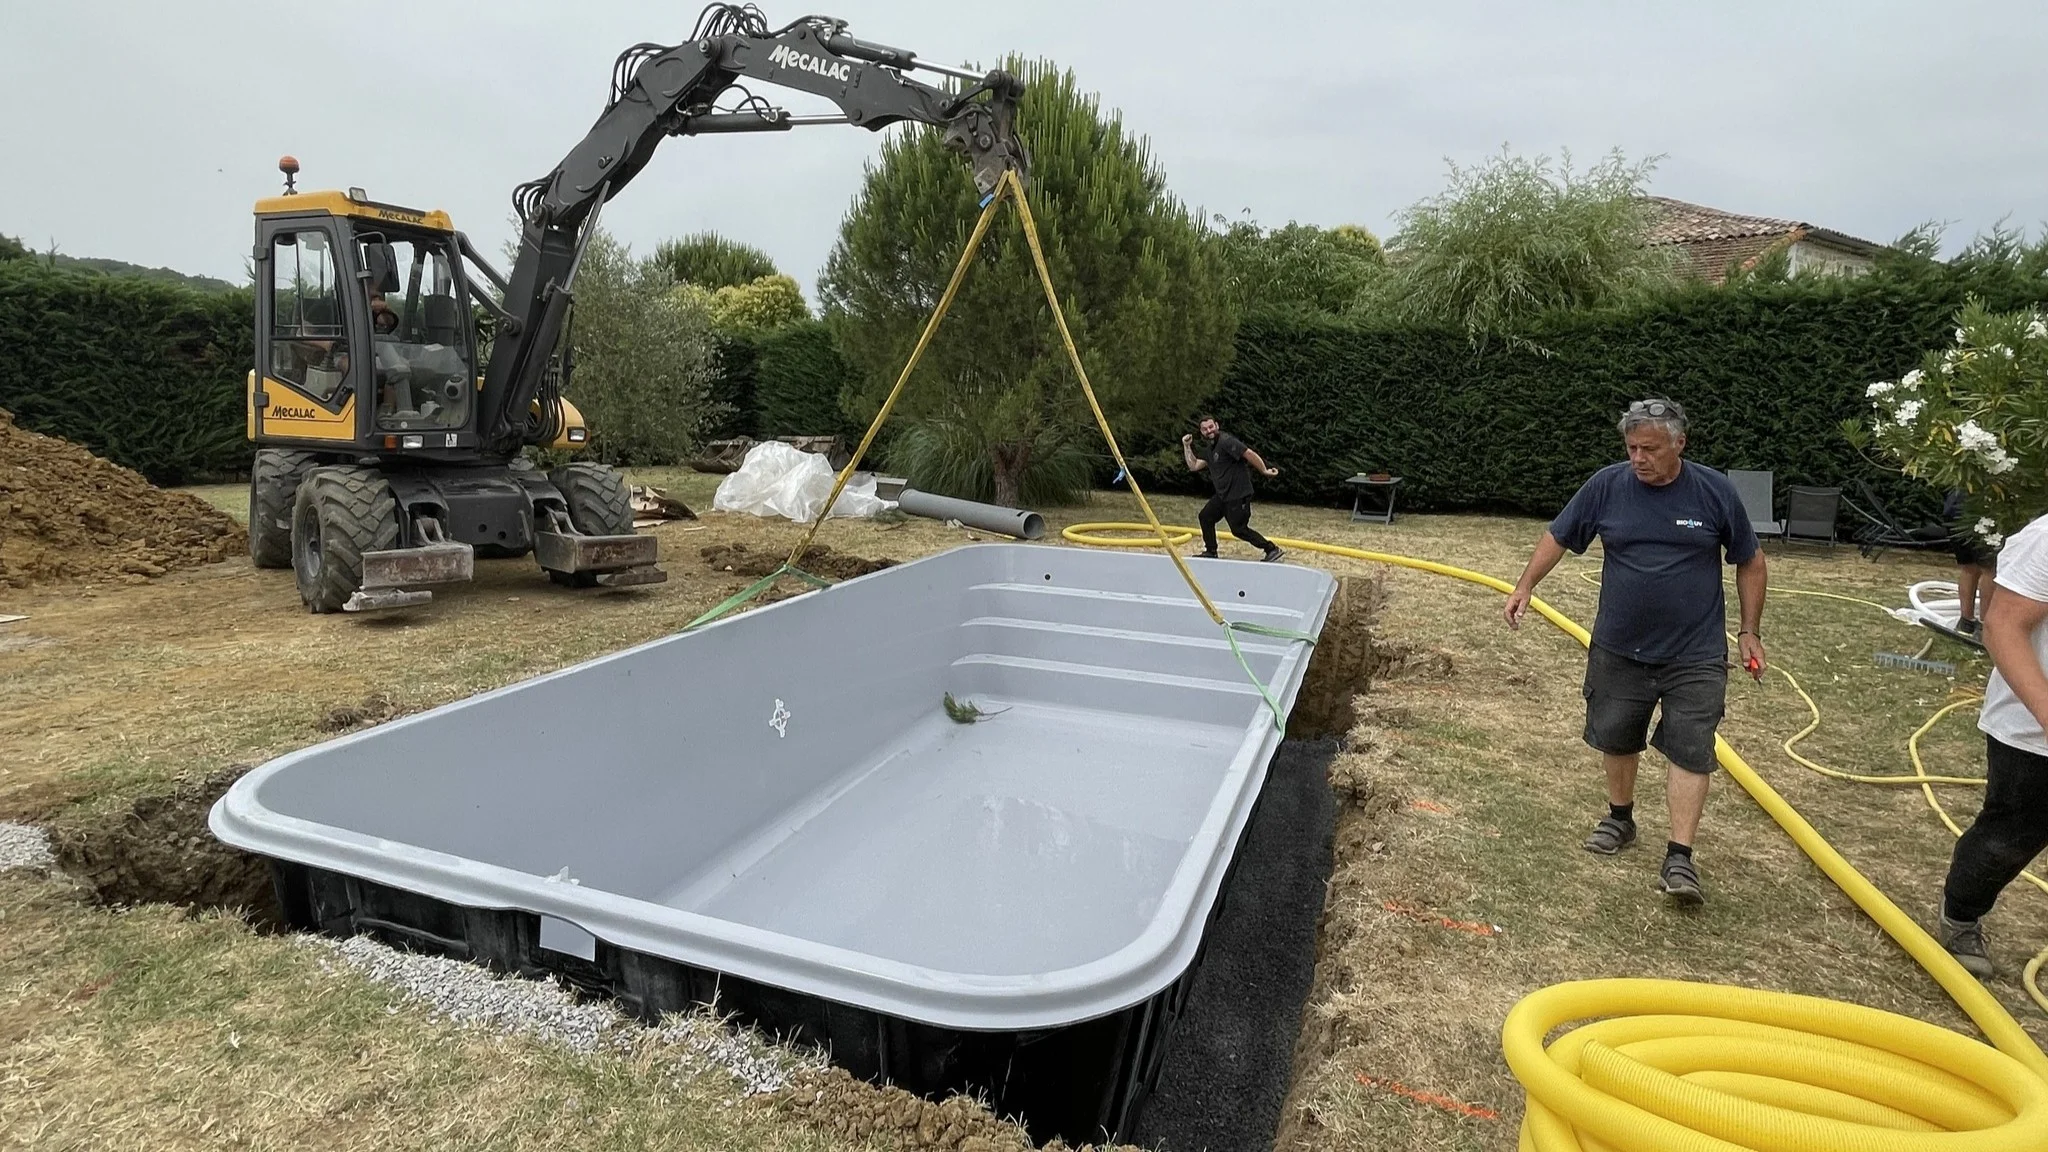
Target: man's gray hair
(1659,413)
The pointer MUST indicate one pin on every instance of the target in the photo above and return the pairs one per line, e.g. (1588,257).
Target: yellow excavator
(393,446)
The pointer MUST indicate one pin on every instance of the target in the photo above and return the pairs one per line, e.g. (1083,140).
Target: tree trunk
(1010,463)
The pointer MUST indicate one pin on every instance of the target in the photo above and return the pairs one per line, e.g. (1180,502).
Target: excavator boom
(660,91)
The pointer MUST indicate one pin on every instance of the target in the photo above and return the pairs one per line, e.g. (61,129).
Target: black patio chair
(1882,530)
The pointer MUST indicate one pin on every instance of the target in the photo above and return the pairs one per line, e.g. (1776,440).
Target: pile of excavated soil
(818,561)
(68,516)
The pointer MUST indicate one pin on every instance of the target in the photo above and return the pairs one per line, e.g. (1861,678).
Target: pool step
(1206,655)
(1101,688)
(1137,612)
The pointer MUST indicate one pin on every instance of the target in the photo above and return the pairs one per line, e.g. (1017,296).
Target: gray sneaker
(1680,880)
(1964,940)
(1610,836)
(1275,555)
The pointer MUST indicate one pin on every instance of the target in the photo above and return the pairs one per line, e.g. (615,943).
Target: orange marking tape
(1432,1099)
(1431,806)
(1427,917)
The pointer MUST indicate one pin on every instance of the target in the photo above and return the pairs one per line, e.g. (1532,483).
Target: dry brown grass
(149,1029)
(1469,792)
(1476,790)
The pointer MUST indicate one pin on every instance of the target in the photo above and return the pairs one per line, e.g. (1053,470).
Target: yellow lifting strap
(1010,188)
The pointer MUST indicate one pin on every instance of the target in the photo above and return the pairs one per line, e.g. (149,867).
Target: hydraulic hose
(1672,1066)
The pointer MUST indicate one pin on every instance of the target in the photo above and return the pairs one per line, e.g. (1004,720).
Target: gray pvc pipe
(987,517)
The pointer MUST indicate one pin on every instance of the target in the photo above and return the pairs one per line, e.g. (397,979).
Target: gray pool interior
(793,770)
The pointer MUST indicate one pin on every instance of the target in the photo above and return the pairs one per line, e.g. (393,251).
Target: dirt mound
(159,849)
(71,516)
(818,560)
(1343,663)
(375,708)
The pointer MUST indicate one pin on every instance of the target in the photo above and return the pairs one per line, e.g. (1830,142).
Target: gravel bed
(470,995)
(24,846)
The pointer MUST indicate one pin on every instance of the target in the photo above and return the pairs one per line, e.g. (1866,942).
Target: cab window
(424,372)
(308,342)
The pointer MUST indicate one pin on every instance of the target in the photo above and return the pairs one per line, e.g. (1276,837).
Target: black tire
(339,514)
(599,505)
(273,484)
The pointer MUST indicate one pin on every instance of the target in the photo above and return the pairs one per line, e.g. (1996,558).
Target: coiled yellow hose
(1671,1066)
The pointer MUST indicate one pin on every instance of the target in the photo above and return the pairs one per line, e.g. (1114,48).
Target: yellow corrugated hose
(1671,1066)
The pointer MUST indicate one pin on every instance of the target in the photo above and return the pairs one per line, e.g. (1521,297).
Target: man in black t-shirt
(1230,465)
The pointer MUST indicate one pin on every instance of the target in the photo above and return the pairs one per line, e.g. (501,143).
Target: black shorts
(1971,552)
(1621,694)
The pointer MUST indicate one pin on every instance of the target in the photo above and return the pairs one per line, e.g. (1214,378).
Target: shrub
(769,302)
(1974,418)
(643,360)
(1325,269)
(145,373)
(1515,238)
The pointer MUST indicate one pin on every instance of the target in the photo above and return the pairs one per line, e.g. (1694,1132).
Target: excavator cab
(371,477)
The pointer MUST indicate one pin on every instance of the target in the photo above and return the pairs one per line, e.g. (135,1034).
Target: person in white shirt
(2013,827)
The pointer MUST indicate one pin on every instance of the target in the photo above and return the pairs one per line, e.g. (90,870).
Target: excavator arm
(659,91)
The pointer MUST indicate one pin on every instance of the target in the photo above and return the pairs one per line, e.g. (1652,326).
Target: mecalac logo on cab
(789,57)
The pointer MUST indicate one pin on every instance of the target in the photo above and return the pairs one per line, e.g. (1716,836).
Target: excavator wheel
(599,505)
(273,482)
(339,514)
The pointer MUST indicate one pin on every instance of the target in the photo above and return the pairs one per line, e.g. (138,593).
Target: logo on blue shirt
(1690,523)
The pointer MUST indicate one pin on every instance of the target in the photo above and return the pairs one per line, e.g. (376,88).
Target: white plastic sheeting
(778,479)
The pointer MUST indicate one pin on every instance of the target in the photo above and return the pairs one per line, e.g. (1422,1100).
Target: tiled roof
(1677,222)
(1713,239)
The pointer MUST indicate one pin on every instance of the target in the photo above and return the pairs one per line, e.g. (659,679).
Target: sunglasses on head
(1651,408)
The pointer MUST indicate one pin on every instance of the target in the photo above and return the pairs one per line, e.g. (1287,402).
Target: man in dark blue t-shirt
(1665,526)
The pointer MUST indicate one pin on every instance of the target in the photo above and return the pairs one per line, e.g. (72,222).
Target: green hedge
(1766,373)
(145,373)
(735,360)
(799,380)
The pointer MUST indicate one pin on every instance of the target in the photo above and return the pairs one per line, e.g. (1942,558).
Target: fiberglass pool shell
(782,797)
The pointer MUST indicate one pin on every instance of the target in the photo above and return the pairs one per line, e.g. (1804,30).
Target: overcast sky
(142,130)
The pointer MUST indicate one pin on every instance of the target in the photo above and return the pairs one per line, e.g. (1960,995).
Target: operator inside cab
(421,363)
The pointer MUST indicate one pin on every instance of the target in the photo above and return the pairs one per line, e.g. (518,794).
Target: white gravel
(472,996)
(24,846)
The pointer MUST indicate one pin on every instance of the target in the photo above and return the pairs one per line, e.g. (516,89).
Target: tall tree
(1515,237)
(995,410)
(711,261)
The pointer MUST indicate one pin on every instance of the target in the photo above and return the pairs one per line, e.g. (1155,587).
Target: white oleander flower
(1986,526)
(1998,463)
(1973,438)
(1912,379)
(2038,329)
(1962,337)
(1879,388)
(1994,541)
(1909,411)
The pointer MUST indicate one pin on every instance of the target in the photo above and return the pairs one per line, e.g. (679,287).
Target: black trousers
(2010,831)
(1238,514)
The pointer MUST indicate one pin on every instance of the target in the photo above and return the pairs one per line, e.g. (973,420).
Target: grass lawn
(1468,794)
